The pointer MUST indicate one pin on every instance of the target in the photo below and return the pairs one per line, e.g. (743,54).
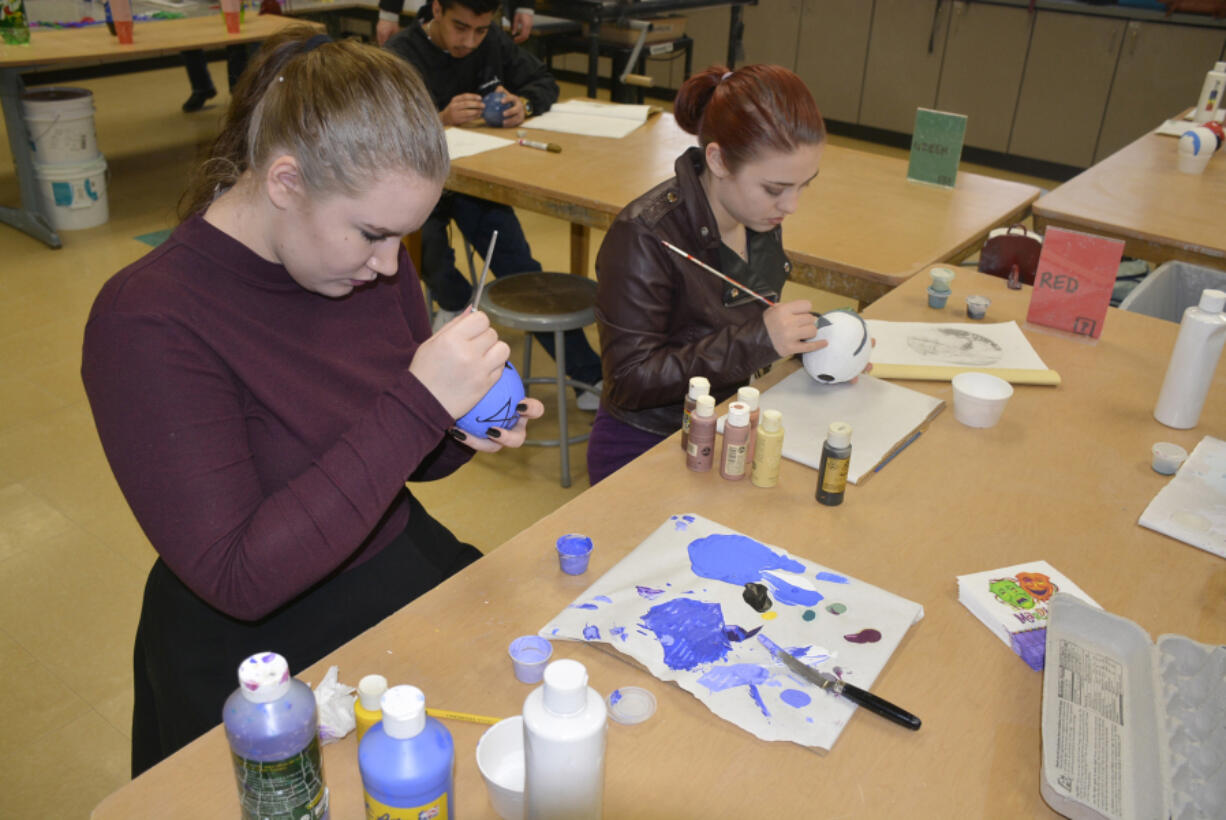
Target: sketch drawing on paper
(955,346)
(679,604)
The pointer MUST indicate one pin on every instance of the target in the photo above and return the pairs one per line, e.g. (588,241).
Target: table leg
(580,245)
(25,218)
(593,57)
(735,29)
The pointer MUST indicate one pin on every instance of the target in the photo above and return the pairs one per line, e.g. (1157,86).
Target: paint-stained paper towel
(675,604)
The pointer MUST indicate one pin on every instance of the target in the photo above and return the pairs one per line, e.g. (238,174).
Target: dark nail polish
(458,435)
(522,407)
(493,433)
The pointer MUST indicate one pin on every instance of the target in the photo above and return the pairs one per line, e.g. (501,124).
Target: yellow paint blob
(769,616)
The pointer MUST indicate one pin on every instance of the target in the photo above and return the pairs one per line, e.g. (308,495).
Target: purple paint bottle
(272,727)
(407,761)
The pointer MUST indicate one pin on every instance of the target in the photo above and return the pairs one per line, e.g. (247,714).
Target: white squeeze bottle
(1201,334)
(564,740)
(1211,93)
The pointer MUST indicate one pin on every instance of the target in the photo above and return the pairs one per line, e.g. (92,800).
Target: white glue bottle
(1211,93)
(1201,335)
(565,721)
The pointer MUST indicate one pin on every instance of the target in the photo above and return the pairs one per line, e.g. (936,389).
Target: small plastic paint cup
(631,704)
(529,654)
(1168,457)
(500,759)
(573,553)
(941,277)
(977,306)
(937,298)
(980,398)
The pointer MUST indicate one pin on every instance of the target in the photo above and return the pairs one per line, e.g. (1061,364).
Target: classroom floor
(71,555)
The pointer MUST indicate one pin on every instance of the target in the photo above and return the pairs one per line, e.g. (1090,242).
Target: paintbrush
(710,269)
(834,686)
(448,714)
(489,252)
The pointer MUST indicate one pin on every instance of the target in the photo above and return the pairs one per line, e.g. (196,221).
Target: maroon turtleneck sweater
(261,433)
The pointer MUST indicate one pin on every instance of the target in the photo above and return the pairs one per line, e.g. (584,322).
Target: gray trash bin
(1171,289)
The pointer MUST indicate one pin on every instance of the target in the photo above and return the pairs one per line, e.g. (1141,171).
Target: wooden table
(88,46)
(1139,195)
(1063,477)
(861,228)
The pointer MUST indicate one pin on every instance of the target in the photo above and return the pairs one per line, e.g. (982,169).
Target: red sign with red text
(1074,280)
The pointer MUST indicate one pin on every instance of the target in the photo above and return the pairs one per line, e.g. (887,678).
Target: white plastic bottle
(565,721)
(1211,93)
(1201,335)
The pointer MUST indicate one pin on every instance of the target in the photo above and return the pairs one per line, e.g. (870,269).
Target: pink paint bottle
(750,396)
(698,387)
(700,449)
(732,462)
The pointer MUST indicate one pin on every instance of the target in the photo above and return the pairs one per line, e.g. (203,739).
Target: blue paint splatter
(737,633)
(691,632)
(649,593)
(555,631)
(680,522)
(618,632)
(736,559)
(591,633)
(832,577)
(795,698)
(583,606)
(719,678)
(757,698)
(786,593)
(603,599)
(615,696)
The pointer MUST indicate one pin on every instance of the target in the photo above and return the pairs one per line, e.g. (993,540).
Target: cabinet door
(902,73)
(708,27)
(1065,87)
(981,75)
(831,53)
(771,30)
(1160,73)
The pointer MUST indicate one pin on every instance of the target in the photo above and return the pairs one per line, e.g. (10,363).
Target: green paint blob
(809,615)
(836,609)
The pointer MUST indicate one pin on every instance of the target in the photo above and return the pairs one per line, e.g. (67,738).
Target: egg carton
(1131,730)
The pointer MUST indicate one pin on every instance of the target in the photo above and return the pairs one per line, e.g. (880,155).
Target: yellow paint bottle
(366,708)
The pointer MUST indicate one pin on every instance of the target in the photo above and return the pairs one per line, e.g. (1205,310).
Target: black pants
(198,67)
(185,662)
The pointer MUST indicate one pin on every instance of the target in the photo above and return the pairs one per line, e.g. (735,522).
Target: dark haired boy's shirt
(497,61)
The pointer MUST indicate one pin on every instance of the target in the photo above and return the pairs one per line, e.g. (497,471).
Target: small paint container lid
(1168,457)
(631,704)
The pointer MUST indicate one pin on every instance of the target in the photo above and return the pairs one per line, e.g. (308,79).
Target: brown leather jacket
(663,319)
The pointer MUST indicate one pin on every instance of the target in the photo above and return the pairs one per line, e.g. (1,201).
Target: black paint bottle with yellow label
(836,456)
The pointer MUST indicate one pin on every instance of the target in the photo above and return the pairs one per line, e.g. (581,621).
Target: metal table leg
(29,216)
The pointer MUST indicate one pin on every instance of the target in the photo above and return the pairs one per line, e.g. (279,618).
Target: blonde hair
(346,112)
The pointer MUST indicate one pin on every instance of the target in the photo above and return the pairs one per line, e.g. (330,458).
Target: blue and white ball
(847,349)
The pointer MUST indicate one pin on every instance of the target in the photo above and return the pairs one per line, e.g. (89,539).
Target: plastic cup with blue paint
(529,654)
(937,298)
(573,553)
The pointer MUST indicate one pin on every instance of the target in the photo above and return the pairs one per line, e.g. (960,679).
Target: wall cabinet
(831,52)
(771,32)
(904,62)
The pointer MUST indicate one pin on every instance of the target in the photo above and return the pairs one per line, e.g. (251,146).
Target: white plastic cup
(1195,149)
(980,398)
(529,654)
(1168,457)
(500,758)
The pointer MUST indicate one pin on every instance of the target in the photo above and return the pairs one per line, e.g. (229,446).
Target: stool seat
(545,303)
(541,301)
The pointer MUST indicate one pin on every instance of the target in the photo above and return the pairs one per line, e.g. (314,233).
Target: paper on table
(675,606)
(1192,506)
(882,416)
(939,351)
(464,142)
(591,119)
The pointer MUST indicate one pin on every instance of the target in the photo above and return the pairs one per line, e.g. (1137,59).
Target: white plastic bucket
(60,122)
(74,195)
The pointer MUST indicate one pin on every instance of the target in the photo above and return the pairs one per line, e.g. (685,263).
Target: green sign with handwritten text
(936,147)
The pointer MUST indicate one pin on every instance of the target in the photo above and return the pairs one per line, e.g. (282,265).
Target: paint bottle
(749,396)
(768,452)
(732,463)
(272,727)
(1190,372)
(1211,93)
(698,387)
(407,761)
(700,451)
(832,472)
(366,709)
(564,744)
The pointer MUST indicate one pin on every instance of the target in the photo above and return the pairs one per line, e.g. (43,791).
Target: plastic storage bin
(1171,289)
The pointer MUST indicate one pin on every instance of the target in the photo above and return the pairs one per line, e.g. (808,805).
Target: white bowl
(980,399)
(500,759)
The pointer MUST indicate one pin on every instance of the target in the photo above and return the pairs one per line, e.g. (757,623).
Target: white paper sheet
(591,119)
(464,142)
(1192,506)
(881,414)
(953,344)
(664,607)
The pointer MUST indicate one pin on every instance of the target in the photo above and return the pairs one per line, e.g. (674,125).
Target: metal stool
(544,303)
